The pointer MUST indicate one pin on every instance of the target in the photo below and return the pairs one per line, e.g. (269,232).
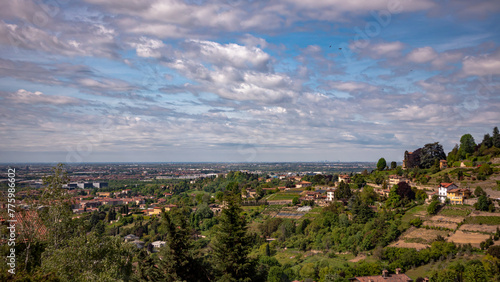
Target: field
(416,212)
(454,219)
(455,212)
(479,228)
(488,220)
(447,225)
(421,235)
(403,244)
(463,237)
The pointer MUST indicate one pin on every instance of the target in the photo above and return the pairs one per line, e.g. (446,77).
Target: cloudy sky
(244,80)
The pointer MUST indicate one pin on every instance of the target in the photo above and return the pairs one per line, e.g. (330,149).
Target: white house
(330,195)
(157,245)
(443,190)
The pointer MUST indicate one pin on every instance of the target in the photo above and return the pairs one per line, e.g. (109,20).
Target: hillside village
(430,216)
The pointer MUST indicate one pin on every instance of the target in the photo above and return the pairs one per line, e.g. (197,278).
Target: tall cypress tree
(496,137)
(231,244)
(178,257)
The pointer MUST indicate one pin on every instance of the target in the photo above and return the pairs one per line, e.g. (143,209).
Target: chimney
(398,270)
(385,273)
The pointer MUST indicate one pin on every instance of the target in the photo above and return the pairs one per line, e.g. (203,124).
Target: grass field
(455,212)
(424,270)
(489,220)
(416,212)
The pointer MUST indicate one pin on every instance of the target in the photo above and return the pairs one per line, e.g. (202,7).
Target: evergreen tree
(231,244)
(381,164)
(453,155)
(178,257)
(496,137)
(343,191)
(467,146)
(487,141)
(57,213)
(394,165)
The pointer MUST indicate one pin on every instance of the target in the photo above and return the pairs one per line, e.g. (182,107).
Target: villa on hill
(443,190)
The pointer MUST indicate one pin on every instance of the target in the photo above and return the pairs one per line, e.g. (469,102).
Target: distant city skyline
(244,80)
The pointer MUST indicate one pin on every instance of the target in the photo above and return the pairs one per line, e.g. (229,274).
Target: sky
(244,80)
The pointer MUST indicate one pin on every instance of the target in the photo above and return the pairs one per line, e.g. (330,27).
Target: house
(443,190)
(395,179)
(303,184)
(103,194)
(458,195)
(130,238)
(330,195)
(153,211)
(385,277)
(345,178)
(443,164)
(157,245)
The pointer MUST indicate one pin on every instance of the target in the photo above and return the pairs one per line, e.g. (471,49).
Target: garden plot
(447,225)
(454,219)
(402,244)
(481,213)
(291,212)
(425,235)
(464,237)
(478,228)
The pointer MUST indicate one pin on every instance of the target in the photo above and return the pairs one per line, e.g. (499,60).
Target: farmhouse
(395,179)
(443,190)
(458,195)
(303,184)
(345,178)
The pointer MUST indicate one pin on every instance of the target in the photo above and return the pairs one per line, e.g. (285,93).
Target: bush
(433,208)
(417,222)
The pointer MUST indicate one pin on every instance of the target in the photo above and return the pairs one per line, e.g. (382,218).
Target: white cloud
(422,55)
(488,64)
(148,47)
(352,86)
(22,96)
(231,54)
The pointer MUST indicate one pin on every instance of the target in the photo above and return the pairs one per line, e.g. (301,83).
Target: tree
(431,154)
(231,244)
(487,141)
(90,258)
(483,203)
(56,214)
(479,191)
(178,263)
(276,274)
(433,207)
(394,165)
(404,191)
(343,191)
(496,137)
(467,146)
(453,155)
(394,200)
(381,164)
